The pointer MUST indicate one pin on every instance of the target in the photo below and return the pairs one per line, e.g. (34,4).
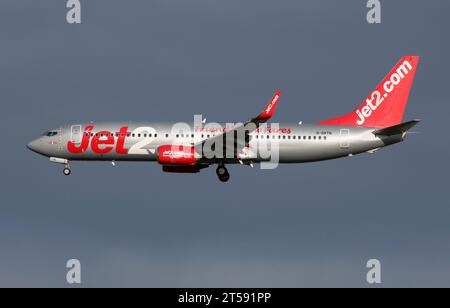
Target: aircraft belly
(310,152)
(317,151)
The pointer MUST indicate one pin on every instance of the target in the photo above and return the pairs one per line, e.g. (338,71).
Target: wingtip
(270,109)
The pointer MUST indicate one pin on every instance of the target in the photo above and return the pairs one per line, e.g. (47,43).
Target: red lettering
(84,142)
(121,141)
(102,138)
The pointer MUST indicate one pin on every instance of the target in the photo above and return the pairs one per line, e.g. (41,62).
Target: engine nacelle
(177,155)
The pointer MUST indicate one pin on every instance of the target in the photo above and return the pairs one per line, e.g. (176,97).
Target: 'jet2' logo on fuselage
(377,98)
(101,143)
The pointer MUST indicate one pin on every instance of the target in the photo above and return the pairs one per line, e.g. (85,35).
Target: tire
(221,171)
(224,178)
(66,171)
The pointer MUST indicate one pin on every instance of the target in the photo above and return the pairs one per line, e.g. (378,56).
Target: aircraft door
(344,138)
(75,134)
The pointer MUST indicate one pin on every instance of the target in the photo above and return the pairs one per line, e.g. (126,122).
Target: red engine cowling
(177,155)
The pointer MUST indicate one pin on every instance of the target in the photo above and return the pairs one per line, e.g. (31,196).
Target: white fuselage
(140,141)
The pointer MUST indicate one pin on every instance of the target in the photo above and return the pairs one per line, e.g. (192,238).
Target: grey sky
(299,225)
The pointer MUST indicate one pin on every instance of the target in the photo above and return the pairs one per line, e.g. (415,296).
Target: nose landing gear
(222,173)
(62,161)
(66,170)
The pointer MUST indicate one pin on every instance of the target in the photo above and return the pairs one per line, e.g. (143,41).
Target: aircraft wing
(240,134)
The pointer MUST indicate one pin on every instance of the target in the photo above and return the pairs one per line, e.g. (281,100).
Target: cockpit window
(50,134)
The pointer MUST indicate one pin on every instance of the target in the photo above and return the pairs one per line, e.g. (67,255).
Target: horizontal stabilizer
(396,129)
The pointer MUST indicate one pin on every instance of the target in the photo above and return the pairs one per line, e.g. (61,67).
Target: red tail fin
(386,105)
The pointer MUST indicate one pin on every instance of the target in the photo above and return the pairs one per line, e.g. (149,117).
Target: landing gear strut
(62,161)
(222,173)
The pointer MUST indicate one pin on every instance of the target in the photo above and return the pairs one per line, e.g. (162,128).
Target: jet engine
(177,155)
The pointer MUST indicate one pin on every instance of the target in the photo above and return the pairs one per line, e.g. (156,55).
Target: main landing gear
(222,173)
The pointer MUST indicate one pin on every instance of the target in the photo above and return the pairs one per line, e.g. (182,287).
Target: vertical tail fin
(386,105)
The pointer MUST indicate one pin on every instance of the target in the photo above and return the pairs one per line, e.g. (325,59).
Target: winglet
(270,109)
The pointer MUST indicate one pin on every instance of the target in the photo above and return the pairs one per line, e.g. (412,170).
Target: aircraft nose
(34,145)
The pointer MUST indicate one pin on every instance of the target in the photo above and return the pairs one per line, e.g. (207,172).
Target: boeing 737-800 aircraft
(183,148)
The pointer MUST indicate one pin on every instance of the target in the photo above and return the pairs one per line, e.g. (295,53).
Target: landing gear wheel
(222,173)
(224,178)
(66,171)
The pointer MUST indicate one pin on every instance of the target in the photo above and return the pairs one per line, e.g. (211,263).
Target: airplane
(188,148)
